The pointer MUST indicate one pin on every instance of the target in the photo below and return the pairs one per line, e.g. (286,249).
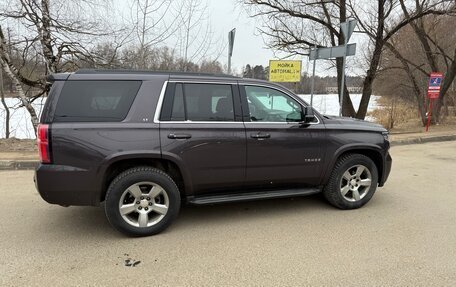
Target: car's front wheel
(142,201)
(352,183)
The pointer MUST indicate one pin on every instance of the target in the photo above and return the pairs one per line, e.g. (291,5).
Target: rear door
(280,151)
(201,127)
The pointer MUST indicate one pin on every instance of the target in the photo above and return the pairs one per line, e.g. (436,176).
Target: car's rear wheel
(142,201)
(352,183)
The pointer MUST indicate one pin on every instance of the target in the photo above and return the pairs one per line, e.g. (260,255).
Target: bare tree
(195,40)
(293,27)
(439,58)
(54,36)
(5,106)
(154,21)
(412,62)
(17,78)
(211,66)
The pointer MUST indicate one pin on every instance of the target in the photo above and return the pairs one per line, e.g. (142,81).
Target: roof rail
(128,71)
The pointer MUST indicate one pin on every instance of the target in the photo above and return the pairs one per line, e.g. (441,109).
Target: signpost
(231,36)
(434,84)
(290,71)
(332,52)
(342,51)
(284,71)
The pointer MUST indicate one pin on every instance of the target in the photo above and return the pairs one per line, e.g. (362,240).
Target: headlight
(385,136)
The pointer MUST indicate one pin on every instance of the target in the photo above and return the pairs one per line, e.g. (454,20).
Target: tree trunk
(367,91)
(12,73)
(369,79)
(374,62)
(44,29)
(347,105)
(21,94)
(414,81)
(447,81)
(7,111)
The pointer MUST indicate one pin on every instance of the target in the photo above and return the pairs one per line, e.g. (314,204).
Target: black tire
(333,190)
(134,177)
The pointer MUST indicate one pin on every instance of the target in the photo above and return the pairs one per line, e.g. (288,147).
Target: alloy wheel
(143,204)
(355,183)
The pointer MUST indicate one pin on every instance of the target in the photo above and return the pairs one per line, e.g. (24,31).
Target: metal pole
(342,84)
(231,35)
(429,115)
(229,63)
(312,85)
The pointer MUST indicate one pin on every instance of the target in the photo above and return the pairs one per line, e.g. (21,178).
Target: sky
(249,45)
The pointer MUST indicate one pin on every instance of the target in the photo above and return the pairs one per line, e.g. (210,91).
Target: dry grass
(400,117)
(395,113)
(19,145)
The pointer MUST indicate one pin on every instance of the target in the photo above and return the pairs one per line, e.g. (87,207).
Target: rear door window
(95,101)
(202,102)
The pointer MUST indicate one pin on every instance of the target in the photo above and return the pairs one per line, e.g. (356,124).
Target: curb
(420,140)
(31,164)
(18,165)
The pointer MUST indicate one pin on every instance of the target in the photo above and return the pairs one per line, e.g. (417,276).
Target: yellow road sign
(284,71)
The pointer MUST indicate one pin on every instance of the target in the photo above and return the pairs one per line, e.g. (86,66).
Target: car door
(201,127)
(280,150)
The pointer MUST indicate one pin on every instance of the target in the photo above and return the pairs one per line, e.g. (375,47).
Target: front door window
(269,105)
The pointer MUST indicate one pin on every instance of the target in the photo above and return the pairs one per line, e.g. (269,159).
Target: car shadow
(91,221)
(221,213)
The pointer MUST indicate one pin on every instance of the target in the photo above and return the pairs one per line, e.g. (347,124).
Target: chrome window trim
(162,96)
(273,123)
(165,85)
(203,82)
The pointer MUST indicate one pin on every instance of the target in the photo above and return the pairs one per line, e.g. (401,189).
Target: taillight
(43,143)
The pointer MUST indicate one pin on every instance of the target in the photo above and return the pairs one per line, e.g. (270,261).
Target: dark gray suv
(143,142)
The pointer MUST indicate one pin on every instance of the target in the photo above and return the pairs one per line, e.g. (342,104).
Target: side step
(248,196)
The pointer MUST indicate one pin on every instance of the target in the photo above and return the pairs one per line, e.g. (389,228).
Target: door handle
(260,136)
(179,136)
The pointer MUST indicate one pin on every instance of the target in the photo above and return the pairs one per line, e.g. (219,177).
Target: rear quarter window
(95,101)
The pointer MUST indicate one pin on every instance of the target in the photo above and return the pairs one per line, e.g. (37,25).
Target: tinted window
(269,105)
(203,102)
(101,101)
(178,110)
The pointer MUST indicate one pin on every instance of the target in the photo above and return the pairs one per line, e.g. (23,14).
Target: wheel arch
(371,151)
(115,165)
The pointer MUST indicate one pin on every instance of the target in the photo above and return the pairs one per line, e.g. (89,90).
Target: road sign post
(341,51)
(434,84)
(347,28)
(231,36)
(312,85)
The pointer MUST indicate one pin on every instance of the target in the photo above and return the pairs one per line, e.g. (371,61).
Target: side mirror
(309,115)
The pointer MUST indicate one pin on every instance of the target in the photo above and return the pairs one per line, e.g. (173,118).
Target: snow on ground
(21,127)
(329,104)
(20,124)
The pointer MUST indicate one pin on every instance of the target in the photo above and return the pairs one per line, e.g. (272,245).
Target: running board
(248,196)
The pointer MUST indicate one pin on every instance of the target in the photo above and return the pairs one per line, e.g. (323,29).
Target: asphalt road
(406,236)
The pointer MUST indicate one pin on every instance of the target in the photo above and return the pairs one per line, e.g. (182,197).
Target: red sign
(435,81)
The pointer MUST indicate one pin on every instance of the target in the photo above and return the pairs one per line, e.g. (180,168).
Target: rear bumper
(387,163)
(66,185)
